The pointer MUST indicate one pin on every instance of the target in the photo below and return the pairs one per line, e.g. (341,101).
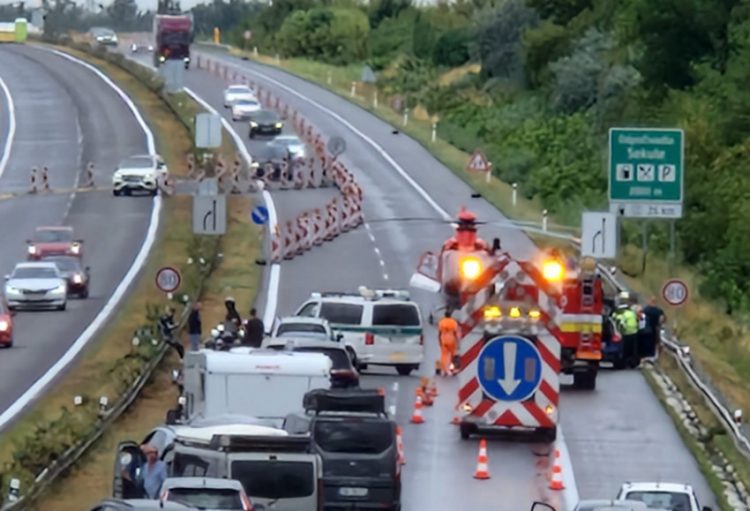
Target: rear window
(286,328)
(399,314)
(352,436)
(190,465)
(342,313)
(205,498)
(662,500)
(339,358)
(275,479)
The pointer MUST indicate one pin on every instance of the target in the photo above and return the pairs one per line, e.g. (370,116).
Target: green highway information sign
(646,165)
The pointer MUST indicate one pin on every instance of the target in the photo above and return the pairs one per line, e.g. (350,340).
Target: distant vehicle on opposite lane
(6,324)
(243,108)
(53,241)
(75,273)
(265,122)
(104,36)
(36,285)
(292,144)
(236,92)
(139,173)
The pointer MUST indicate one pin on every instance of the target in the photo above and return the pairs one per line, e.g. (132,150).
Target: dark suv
(356,440)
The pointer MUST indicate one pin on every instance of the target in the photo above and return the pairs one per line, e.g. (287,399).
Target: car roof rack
(275,444)
(345,400)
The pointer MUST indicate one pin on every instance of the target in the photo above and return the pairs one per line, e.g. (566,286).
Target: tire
(85,294)
(251,135)
(63,306)
(116,193)
(620,363)
(585,381)
(466,431)
(404,370)
(547,435)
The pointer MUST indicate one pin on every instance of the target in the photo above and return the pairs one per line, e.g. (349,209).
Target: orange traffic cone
(483,471)
(556,483)
(400,446)
(433,389)
(426,399)
(416,417)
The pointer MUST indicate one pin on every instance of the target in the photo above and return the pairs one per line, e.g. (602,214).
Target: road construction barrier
(88,177)
(166,184)
(303,225)
(34,185)
(290,248)
(45,178)
(345,222)
(318,228)
(298,170)
(277,253)
(310,166)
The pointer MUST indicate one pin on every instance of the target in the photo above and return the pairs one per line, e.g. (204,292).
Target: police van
(382,327)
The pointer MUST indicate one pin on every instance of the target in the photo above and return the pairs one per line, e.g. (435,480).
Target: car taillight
(165,496)
(246,504)
(4,325)
(369,339)
(421,339)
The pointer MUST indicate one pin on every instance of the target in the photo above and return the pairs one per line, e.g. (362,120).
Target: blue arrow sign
(259,215)
(509,368)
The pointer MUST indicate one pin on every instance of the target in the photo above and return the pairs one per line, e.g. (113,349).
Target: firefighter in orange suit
(448,331)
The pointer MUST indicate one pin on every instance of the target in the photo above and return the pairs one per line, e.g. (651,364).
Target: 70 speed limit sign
(168,279)
(675,292)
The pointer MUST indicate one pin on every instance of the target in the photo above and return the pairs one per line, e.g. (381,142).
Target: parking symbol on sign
(667,173)
(645,172)
(624,172)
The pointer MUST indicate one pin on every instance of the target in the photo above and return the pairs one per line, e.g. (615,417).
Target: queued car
(265,122)
(75,273)
(610,505)
(657,495)
(207,493)
(292,144)
(237,92)
(36,285)
(343,371)
(268,159)
(53,241)
(6,324)
(139,173)
(138,505)
(301,327)
(243,108)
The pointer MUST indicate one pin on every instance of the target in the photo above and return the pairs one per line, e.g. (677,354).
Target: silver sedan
(36,285)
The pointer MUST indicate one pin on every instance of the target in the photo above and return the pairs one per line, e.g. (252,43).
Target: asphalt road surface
(618,433)
(66,116)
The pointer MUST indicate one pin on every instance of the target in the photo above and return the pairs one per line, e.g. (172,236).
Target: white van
(266,384)
(383,327)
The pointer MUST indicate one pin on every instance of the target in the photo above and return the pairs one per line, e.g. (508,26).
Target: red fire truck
(173,34)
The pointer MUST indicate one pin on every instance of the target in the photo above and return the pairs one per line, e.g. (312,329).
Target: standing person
(627,323)
(232,320)
(448,331)
(655,319)
(153,472)
(254,330)
(167,324)
(195,327)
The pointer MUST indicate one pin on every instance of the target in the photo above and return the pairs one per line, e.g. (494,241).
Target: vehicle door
(128,462)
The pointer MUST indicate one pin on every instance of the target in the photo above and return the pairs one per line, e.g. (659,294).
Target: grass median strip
(720,344)
(235,274)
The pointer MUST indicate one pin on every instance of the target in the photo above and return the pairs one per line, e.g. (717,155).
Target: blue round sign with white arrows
(259,215)
(509,368)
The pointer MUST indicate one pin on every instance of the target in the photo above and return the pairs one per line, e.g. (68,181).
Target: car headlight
(279,125)
(76,249)
(61,288)
(4,326)
(150,48)
(253,124)
(78,278)
(32,249)
(187,59)
(162,58)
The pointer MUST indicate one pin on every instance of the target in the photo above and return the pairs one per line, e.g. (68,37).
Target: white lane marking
(274,278)
(11,127)
(571,492)
(79,162)
(377,251)
(385,276)
(35,390)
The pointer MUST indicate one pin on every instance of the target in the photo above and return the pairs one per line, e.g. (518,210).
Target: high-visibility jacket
(448,328)
(627,320)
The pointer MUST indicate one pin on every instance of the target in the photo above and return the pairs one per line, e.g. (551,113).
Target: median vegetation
(56,430)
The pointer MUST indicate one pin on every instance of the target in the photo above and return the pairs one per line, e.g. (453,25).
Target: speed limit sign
(168,279)
(675,292)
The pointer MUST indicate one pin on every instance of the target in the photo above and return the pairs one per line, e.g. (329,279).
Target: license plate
(353,492)
(397,357)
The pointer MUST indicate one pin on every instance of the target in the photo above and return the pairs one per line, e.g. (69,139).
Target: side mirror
(80,242)
(339,337)
(541,506)
(706,508)
(28,241)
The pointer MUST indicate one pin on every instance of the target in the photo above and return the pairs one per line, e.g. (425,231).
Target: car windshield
(353,436)
(286,328)
(662,500)
(265,116)
(35,273)
(339,358)
(239,89)
(137,162)
(341,313)
(67,264)
(267,153)
(247,102)
(613,507)
(207,498)
(275,479)
(396,314)
(53,235)
(287,141)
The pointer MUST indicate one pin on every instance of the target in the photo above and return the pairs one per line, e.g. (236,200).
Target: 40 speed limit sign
(675,292)
(168,279)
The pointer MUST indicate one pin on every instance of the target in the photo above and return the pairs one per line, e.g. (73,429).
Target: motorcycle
(224,340)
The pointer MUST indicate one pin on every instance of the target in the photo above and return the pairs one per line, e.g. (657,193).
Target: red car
(6,325)
(53,241)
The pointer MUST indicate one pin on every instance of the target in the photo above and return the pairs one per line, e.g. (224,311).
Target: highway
(617,433)
(65,116)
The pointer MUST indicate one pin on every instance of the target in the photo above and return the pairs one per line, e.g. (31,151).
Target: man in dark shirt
(195,327)
(254,330)
(655,318)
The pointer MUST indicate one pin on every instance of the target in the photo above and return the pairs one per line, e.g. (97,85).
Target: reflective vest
(627,320)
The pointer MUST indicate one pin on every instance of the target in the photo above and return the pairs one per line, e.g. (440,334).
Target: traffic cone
(425,396)
(400,446)
(433,389)
(416,417)
(556,483)
(483,471)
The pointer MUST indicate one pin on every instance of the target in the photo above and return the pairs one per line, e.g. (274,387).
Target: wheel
(465,431)
(404,370)
(116,193)
(85,294)
(585,381)
(63,306)
(431,319)
(252,135)
(12,309)
(619,363)
(548,435)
